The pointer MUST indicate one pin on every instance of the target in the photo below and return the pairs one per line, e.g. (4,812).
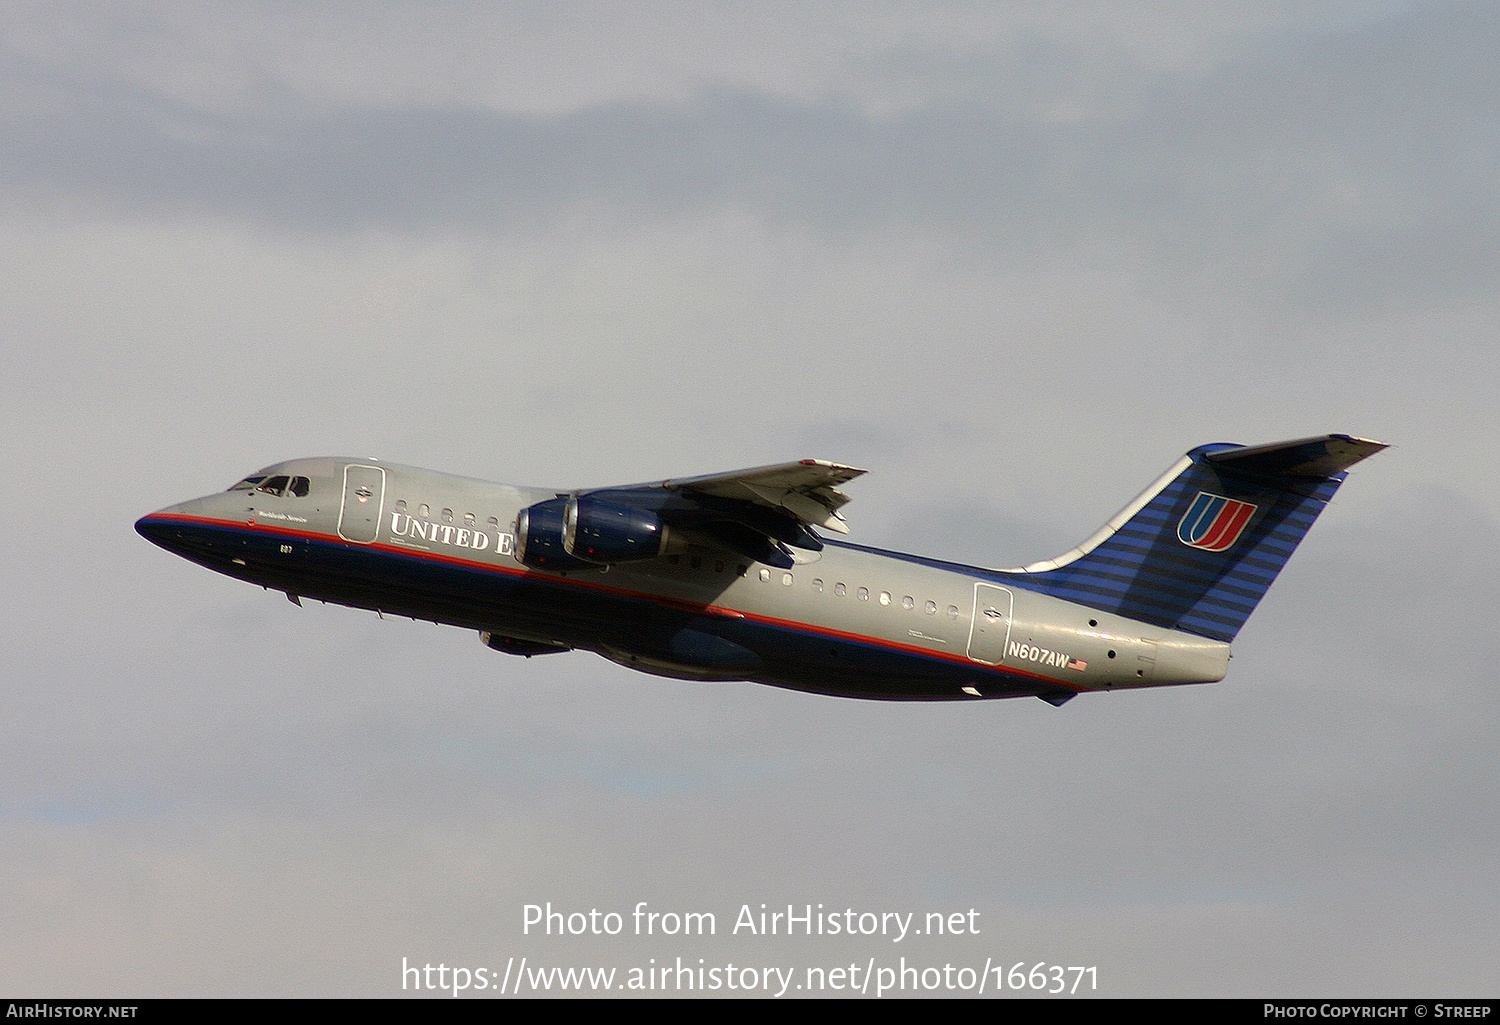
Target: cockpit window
(283,486)
(248,483)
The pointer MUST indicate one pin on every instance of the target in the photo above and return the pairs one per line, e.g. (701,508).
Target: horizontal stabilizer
(1307,458)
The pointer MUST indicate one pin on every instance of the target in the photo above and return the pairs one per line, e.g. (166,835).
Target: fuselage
(847,620)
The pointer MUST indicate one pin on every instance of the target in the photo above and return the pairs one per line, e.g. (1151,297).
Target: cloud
(1013,266)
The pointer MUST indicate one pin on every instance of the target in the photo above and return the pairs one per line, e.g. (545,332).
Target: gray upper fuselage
(951,615)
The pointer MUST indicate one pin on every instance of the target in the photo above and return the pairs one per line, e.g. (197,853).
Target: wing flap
(818,506)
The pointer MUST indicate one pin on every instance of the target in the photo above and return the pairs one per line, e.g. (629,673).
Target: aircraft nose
(152,529)
(165,527)
(157,528)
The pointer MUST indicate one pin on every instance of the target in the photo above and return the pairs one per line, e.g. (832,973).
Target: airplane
(733,576)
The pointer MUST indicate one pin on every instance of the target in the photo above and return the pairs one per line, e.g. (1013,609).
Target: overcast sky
(1014,259)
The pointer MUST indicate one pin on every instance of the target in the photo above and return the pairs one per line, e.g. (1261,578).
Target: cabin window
(864,594)
(765,575)
(424,510)
(401,506)
(952,611)
(786,580)
(840,590)
(447,515)
(817,586)
(930,608)
(907,602)
(469,520)
(885,597)
(494,524)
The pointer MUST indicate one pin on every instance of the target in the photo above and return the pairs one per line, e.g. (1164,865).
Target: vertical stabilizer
(1200,547)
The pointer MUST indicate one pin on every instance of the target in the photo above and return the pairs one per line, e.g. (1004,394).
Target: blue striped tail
(1199,548)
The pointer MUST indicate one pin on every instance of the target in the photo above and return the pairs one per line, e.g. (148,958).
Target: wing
(757,512)
(808,490)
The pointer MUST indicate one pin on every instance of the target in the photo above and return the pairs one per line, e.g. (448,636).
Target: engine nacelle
(539,536)
(574,533)
(605,532)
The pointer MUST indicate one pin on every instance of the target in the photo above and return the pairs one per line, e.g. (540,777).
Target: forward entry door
(364,497)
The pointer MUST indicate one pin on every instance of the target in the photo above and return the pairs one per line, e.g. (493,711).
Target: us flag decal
(1213,522)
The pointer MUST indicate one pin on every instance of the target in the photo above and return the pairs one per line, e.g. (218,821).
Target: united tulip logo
(1214,523)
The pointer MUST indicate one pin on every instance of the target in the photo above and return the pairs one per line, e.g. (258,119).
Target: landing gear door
(364,498)
(989,630)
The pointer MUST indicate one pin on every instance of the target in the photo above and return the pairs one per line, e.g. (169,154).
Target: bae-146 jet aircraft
(726,577)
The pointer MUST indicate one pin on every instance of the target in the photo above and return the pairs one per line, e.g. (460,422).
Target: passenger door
(364,499)
(989,630)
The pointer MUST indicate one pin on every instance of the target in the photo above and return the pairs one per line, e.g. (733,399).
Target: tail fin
(1200,547)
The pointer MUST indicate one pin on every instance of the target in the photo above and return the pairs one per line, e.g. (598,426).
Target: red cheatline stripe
(677,603)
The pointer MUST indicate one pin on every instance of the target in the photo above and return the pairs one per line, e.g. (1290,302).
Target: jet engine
(572,532)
